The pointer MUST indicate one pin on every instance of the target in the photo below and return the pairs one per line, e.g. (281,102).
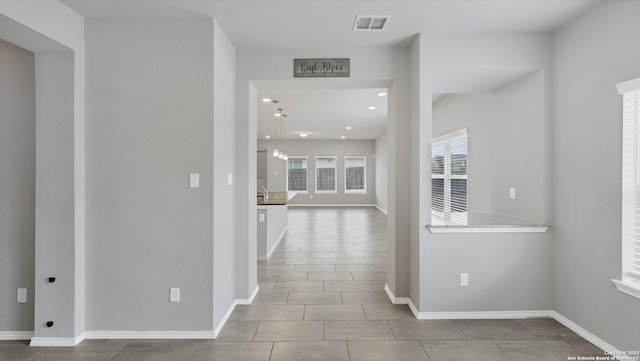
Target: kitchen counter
(276,199)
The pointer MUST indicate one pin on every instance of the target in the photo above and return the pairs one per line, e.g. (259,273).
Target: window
(297,174)
(630,282)
(355,174)
(325,174)
(449,175)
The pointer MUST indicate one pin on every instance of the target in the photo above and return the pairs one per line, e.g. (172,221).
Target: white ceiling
(328,23)
(324,113)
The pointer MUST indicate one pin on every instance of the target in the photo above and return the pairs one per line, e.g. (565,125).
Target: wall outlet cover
(464,279)
(194,180)
(21,296)
(174,294)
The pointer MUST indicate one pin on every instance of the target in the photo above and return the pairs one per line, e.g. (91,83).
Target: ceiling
(324,113)
(328,23)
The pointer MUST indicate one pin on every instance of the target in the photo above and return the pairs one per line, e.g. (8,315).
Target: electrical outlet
(174,294)
(464,279)
(194,180)
(21,296)
(229,179)
(512,193)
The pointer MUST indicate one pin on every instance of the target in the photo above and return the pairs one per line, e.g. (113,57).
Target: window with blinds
(630,92)
(326,174)
(297,174)
(355,170)
(449,175)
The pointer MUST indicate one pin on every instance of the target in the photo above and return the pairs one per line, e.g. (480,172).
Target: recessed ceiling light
(342,137)
(267,136)
(348,128)
(381,94)
(266,100)
(372,107)
(304,134)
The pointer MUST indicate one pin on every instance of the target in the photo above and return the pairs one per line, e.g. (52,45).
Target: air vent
(370,22)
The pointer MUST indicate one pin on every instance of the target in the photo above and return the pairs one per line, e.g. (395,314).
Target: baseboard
(331,205)
(597,341)
(15,335)
(148,335)
(57,341)
(240,301)
(381,210)
(494,315)
(273,248)
(395,300)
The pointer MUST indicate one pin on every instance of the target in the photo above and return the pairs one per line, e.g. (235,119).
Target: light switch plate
(174,294)
(261,217)
(229,179)
(194,180)
(512,193)
(464,279)
(21,296)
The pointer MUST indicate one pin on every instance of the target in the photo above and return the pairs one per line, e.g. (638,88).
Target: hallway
(321,298)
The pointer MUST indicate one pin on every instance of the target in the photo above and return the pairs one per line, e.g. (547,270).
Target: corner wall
(17,185)
(381,172)
(592,55)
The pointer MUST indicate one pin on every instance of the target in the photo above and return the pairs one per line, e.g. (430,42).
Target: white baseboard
(395,300)
(331,205)
(57,341)
(239,301)
(148,335)
(495,315)
(380,208)
(15,335)
(273,248)
(597,341)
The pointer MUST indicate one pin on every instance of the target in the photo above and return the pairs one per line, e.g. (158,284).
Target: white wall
(150,122)
(277,171)
(475,113)
(224,125)
(381,171)
(507,145)
(592,55)
(17,185)
(56,34)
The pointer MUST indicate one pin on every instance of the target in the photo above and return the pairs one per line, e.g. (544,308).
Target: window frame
(306,191)
(364,181)
(629,282)
(447,177)
(335,175)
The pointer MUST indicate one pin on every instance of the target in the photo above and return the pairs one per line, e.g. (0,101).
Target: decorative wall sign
(321,68)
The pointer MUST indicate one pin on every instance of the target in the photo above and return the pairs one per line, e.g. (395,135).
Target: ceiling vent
(371,22)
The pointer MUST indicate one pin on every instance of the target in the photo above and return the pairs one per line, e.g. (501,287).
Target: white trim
(395,300)
(273,248)
(247,301)
(462,229)
(488,315)
(331,205)
(629,288)
(57,341)
(595,340)
(449,135)
(15,335)
(380,208)
(149,335)
(629,85)
(224,319)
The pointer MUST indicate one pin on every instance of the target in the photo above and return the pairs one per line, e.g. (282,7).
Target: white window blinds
(630,180)
(355,170)
(449,175)
(325,174)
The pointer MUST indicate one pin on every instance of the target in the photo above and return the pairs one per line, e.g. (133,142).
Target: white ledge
(630,288)
(489,229)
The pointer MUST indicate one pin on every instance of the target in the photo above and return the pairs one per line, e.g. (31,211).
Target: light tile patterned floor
(321,298)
